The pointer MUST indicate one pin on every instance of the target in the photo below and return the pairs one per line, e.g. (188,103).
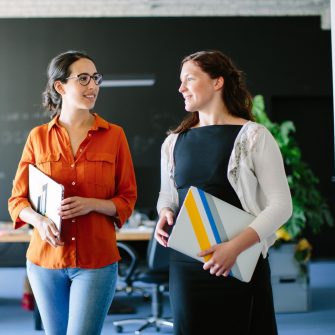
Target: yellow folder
(205,220)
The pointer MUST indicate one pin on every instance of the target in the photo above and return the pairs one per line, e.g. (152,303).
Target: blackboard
(281,56)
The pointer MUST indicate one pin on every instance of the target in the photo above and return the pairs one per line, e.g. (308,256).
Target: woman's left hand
(75,206)
(223,258)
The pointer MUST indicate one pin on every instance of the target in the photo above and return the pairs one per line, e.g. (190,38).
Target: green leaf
(310,208)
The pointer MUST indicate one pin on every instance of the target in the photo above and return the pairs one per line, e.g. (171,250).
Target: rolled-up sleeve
(126,190)
(19,196)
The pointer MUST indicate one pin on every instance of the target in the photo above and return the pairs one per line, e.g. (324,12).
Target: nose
(92,84)
(182,88)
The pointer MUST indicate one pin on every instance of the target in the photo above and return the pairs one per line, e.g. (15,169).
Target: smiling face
(75,95)
(197,87)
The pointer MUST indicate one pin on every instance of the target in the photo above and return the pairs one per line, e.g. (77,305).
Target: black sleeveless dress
(203,303)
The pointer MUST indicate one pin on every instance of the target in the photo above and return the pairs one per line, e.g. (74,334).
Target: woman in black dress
(219,149)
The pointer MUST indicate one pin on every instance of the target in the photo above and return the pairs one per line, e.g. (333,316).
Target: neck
(217,115)
(77,119)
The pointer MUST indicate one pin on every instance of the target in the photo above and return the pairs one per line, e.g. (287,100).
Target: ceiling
(152,8)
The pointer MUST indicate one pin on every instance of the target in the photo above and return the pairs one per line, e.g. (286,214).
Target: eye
(97,78)
(83,78)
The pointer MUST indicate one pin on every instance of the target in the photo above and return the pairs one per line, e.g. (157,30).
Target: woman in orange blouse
(73,272)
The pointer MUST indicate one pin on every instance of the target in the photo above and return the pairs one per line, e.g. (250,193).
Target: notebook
(45,195)
(205,220)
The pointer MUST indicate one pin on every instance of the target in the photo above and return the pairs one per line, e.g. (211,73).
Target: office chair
(128,267)
(157,275)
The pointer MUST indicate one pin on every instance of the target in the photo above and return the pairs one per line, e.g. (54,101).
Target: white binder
(45,195)
(205,220)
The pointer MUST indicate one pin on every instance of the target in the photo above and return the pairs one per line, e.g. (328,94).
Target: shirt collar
(53,122)
(99,122)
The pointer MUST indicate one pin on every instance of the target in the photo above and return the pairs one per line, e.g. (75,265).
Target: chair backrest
(158,257)
(129,262)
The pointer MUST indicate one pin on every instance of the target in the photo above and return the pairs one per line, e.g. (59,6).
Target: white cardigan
(255,171)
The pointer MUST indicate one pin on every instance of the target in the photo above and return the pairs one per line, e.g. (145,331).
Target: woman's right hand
(46,228)
(49,232)
(166,219)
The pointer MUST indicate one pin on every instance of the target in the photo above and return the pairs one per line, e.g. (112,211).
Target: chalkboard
(15,127)
(276,53)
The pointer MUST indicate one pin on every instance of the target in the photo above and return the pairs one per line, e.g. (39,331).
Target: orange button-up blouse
(102,168)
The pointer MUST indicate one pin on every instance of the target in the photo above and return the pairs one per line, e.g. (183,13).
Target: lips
(90,96)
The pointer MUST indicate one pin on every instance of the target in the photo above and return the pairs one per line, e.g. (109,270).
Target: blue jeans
(73,301)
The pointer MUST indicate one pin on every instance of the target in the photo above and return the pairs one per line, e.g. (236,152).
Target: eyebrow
(87,73)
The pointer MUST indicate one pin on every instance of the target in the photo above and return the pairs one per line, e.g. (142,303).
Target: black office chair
(157,275)
(128,267)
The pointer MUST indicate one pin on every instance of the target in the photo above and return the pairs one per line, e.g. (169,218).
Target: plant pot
(290,284)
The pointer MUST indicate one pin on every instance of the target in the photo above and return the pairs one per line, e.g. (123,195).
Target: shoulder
(39,130)
(256,138)
(253,133)
(101,123)
(170,138)
(169,142)
(115,128)
(252,128)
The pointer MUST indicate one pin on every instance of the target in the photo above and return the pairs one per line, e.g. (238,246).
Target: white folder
(205,220)
(45,195)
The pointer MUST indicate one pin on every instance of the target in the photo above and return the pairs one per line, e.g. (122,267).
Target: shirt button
(73,183)
(72,165)
(89,135)
(73,220)
(73,238)
(80,150)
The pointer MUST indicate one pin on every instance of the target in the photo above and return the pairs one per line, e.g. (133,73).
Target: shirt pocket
(100,170)
(49,163)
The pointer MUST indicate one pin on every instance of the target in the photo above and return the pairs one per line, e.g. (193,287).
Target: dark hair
(58,69)
(235,94)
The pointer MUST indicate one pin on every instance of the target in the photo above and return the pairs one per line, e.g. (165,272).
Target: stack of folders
(205,220)
(45,195)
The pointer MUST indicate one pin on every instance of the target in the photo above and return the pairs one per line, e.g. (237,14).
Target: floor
(319,320)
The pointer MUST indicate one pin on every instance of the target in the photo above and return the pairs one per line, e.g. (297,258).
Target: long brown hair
(235,94)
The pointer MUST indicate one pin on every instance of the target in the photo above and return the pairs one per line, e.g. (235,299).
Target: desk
(8,234)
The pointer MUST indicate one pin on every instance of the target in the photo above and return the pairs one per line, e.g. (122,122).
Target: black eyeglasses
(84,78)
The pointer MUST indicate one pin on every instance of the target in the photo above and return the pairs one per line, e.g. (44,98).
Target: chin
(188,108)
(90,107)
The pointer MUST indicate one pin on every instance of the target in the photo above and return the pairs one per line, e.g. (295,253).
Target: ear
(219,83)
(58,86)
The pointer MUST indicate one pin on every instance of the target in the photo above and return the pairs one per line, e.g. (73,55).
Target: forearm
(163,211)
(47,230)
(104,206)
(28,215)
(244,240)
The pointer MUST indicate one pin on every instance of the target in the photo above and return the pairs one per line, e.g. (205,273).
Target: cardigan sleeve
(167,195)
(268,168)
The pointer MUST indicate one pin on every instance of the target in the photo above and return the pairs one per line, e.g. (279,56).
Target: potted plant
(310,208)
(291,253)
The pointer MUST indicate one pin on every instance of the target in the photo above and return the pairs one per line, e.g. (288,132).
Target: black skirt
(205,304)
